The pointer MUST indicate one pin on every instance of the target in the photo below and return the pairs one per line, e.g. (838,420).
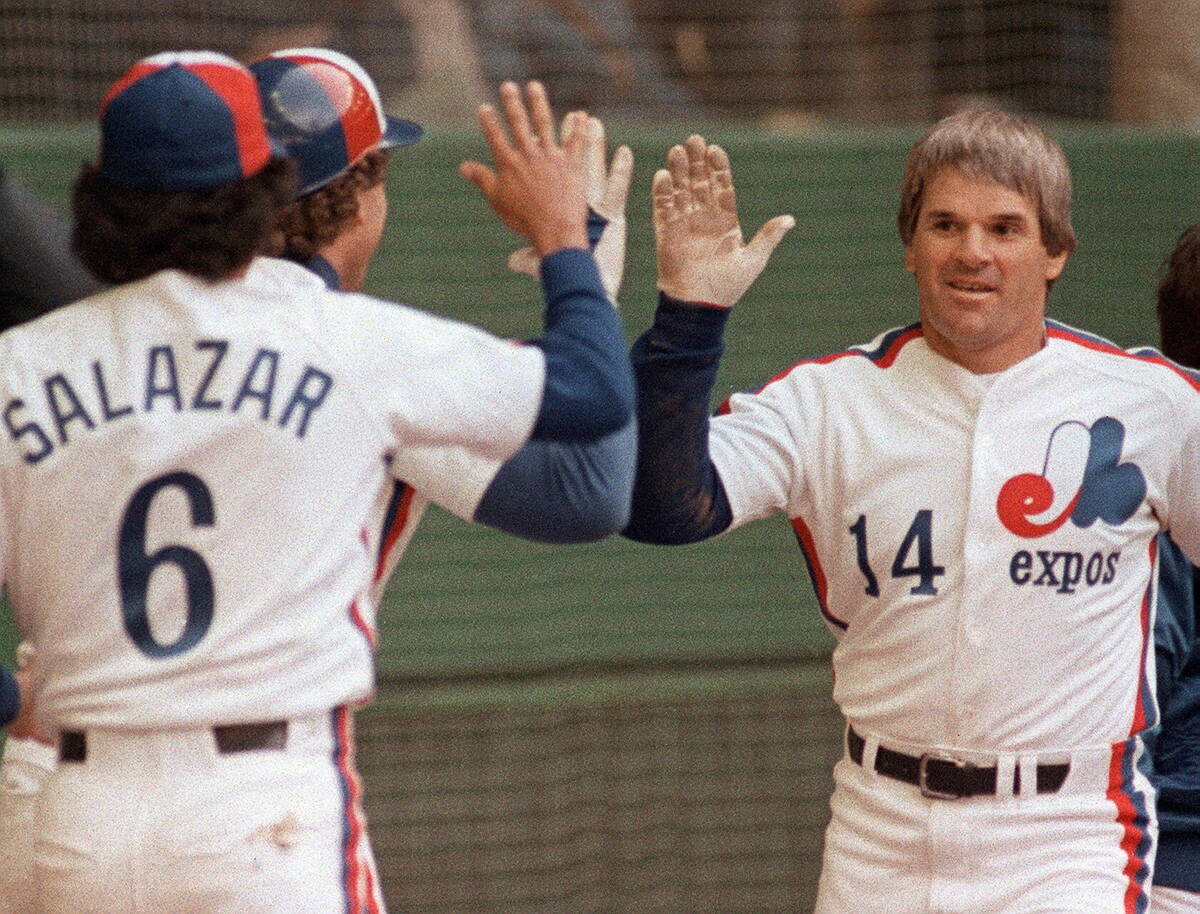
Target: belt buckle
(923,775)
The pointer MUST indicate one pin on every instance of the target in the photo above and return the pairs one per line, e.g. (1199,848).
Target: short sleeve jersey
(983,546)
(195,485)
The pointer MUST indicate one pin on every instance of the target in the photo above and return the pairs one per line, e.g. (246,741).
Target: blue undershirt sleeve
(10,697)
(589,383)
(678,496)
(560,492)
(553,492)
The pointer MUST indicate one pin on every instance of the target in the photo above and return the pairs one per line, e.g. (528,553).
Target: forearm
(589,384)
(553,492)
(678,496)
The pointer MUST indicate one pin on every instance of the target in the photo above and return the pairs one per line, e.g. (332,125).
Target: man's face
(981,271)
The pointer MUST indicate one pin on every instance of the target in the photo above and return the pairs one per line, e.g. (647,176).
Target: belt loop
(1006,766)
(1028,767)
(870,750)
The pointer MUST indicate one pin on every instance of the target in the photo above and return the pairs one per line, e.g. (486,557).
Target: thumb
(769,236)
(479,175)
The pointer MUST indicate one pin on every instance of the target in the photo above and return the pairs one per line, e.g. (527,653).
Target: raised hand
(537,188)
(607,192)
(697,236)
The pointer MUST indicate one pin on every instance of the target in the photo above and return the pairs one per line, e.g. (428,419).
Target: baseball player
(325,110)
(1176,748)
(977,497)
(196,487)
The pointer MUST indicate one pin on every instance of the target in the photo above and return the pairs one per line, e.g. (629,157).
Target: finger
(662,199)
(593,160)
(25,652)
(479,175)
(721,177)
(524,260)
(516,115)
(698,177)
(769,236)
(677,165)
(575,144)
(540,114)
(616,190)
(493,133)
(569,122)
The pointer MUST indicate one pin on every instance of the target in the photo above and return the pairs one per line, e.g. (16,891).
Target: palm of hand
(698,239)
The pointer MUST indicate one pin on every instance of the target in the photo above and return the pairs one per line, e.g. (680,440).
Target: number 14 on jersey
(918,540)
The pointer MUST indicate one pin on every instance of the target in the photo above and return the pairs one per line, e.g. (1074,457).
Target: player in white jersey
(196,483)
(977,497)
(324,108)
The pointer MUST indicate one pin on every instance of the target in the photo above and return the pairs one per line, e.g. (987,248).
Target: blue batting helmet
(325,110)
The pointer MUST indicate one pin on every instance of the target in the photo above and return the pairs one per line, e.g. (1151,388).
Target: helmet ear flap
(324,109)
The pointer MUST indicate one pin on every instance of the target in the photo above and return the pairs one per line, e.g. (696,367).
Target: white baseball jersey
(186,592)
(1002,602)
(454,478)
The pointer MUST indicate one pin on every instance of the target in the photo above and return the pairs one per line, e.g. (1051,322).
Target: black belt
(230,738)
(947,778)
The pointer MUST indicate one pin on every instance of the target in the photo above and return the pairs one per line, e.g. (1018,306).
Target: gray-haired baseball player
(977,497)
(227,419)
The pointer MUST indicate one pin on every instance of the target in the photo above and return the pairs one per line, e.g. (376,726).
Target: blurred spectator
(780,58)
(1156,67)
(590,54)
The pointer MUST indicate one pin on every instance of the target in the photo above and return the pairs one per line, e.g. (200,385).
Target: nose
(973,249)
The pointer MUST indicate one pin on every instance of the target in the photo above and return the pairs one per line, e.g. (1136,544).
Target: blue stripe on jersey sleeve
(678,496)
(589,383)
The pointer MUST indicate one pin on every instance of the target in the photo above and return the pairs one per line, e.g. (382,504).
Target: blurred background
(616,727)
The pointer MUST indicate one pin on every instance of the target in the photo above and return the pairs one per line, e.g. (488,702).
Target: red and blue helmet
(324,109)
(183,120)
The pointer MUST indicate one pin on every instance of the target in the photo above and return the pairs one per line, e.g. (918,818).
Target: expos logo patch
(1082,480)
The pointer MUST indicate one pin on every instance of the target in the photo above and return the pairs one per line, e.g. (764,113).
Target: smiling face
(981,270)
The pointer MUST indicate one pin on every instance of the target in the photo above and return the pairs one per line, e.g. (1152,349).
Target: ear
(1055,265)
(910,261)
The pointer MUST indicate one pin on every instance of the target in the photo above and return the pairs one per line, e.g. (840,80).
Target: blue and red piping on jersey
(358,871)
(395,519)
(816,573)
(1055,330)
(882,355)
(1145,710)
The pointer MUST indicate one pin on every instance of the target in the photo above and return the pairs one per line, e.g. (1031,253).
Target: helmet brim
(400,133)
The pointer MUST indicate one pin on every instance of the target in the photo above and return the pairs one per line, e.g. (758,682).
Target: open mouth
(963,285)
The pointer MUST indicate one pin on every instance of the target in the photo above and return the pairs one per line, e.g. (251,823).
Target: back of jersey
(195,482)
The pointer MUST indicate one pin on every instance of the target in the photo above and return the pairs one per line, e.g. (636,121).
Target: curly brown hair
(122,234)
(316,219)
(1179,301)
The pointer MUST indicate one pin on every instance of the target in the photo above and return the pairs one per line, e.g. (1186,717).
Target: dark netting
(786,61)
(711,800)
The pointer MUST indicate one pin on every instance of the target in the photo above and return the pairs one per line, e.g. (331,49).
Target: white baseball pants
(1174,901)
(167,821)
(1085,849)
